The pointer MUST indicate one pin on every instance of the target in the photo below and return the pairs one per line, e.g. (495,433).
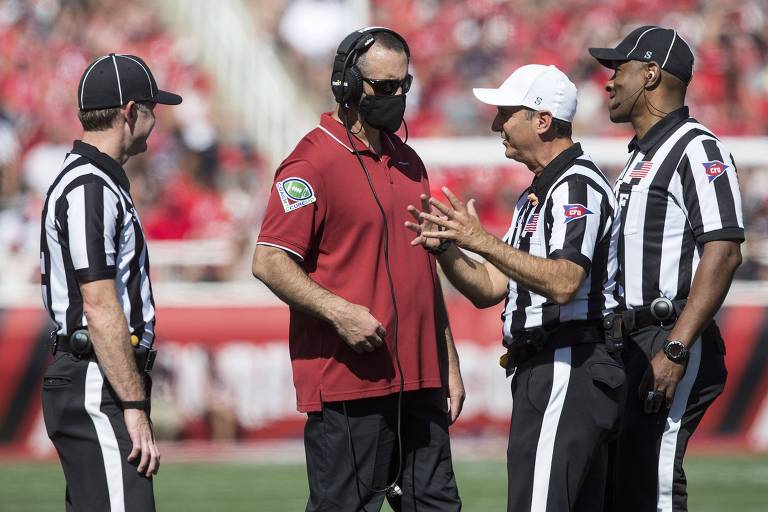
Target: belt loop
(54,341)
(629,320)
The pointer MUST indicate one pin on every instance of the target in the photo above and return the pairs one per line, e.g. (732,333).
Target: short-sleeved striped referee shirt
(577,219)
(90,231)
(678,191)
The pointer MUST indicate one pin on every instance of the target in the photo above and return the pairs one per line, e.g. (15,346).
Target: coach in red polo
(370,344)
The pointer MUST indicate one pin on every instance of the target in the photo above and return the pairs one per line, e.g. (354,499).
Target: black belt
(660,312)
(145,358)
(529,342)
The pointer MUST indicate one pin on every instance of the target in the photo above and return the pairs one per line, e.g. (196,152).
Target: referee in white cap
(96,288)
(555,271)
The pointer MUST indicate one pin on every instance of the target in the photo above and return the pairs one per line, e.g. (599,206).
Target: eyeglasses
(388,87)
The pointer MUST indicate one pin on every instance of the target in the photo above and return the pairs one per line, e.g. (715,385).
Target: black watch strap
(440,249)
(142,405)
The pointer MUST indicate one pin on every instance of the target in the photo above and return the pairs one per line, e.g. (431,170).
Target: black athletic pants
(566,405)
(426,479)
(88,430)
(648,470)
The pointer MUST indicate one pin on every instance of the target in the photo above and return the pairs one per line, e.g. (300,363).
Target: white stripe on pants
(546,445)
(672,428)
(110,450)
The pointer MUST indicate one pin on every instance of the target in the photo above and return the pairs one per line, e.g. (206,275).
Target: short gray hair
(560,129)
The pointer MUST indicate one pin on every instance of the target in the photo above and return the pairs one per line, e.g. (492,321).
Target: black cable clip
(54,341)
(613,325)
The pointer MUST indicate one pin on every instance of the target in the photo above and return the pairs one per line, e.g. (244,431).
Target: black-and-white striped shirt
(678,191)
(90,231)
(577,219)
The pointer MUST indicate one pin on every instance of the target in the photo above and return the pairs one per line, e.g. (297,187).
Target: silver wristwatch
(676,351)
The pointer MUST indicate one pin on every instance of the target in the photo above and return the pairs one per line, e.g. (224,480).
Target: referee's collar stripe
(103,162)
(554,169)
(659,130)
(117,76)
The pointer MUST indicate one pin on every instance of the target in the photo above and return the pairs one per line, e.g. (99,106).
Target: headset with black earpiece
(346,78)
(649,105)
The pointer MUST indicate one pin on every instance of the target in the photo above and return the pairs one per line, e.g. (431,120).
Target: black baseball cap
(113,80)
(651,43)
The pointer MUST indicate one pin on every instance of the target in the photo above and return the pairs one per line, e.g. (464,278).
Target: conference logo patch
(295,193)
(714,169)
(575,211)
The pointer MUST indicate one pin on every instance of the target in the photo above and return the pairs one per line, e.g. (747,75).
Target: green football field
(717,484)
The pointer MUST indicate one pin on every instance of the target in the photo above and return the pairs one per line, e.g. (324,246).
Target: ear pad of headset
(338,73)
(354,89)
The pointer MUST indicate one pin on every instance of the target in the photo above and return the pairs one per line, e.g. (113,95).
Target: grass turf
(735,484)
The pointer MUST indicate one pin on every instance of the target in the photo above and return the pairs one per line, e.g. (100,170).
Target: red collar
(335,130)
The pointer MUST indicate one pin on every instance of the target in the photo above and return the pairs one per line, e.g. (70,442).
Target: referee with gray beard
(679,248)
(95,284)
(555,271)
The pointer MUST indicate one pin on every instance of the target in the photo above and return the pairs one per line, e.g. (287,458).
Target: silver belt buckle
(662,309)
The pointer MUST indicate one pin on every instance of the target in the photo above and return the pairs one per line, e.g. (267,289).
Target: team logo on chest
(295,193)
(575,211)
(714,169)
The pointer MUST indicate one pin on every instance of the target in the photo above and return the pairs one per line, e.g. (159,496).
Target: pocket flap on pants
(611,375)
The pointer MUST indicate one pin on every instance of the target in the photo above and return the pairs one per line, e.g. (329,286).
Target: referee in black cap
(679,247)
(95,284)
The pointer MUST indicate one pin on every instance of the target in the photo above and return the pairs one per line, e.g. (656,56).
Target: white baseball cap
(537,87)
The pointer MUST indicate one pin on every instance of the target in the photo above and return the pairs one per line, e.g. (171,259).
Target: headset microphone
(650,106)
(633,95)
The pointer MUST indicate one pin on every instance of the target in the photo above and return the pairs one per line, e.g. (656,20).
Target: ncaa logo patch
(295,193)
(575,211)
(714,169)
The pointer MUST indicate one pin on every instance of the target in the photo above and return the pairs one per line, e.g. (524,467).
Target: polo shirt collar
(103,161)
(338,133)
(658,131)
(554,169)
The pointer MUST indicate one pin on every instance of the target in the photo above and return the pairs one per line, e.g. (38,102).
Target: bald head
(386,48)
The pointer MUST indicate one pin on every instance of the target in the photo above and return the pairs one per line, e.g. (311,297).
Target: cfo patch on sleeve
(295,193)
(575,211)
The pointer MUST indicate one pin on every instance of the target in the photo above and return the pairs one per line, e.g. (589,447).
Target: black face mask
(383,112)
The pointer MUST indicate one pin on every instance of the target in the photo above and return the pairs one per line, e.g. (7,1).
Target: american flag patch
(641,170)
(530,226)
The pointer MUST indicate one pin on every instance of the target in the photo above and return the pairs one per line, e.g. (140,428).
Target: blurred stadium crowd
(201,179)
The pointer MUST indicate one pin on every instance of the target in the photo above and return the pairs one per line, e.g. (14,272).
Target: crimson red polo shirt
(321,210)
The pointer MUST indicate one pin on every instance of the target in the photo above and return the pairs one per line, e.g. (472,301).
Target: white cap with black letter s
(537,87)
